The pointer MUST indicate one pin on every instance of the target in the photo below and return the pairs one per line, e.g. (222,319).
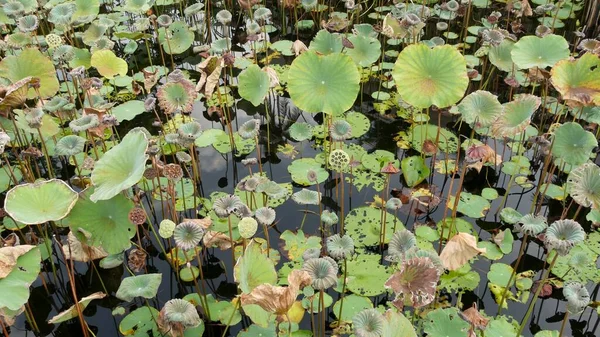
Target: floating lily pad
(300,168)
(128,110)
(447,141)
(500,274)
(297,244)
(365,275)
(445,323)
(140,323)
(414,170)
(363,224)
(39,202)
(353,304)
(461,279)
(471,205)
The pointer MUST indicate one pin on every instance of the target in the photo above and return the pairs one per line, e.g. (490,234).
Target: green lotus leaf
(366,50)
(145,286)
(108,64)
(222,144)
(82,57)
(180,38)
(365,275)
(300,168)
(362,179)
(106,220)
(256,330)
(447,141)
(378,159)
(414,170)
(492,251)
(209,137)
(300,131)
(445,323)
(506,244)
(359,123)
(315,306)
(578,80)
(48,129)
(426,76)
(352,305)
(363,224)
(500,273)
(39,202)
(547,333)
(296,244)
(284,47)
(31,62)
(501,327)
(480,108)
(121,167)
(86,8)
(323,83)
(517,165)
(516,117)
(138,6)
(128,110)
(140,323)
(72,312)
(15,286)
(510,215)
(532,51)
(6,177)
(326,43)
(573,144)
(253,84)
(471,205)
(397,325)
(254,268)
(583,270)
(500,56)
(450,226)
(461,279)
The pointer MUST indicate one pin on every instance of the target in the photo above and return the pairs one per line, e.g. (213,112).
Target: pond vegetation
(299,167)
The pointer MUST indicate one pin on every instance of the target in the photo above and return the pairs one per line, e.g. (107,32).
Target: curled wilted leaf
(459,250)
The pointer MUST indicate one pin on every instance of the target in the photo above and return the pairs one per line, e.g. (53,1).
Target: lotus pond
(250,168)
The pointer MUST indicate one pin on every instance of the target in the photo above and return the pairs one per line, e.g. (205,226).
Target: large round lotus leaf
(208,137)
(414,170)
(352,305)
(500,273)
(578,80)
(256,330)
(253,84)
(297,244)
(363,224)
(300,131)
(39,202)
(461,279)
(121,167)
(254,268)
(532,51)
(284,47)
(573,144)
(108,64)
(366,50)
(128,110)
(86,8)
(505,241)
(426,76)
(242,146)
(145,286)
(379,159)
(106,220)
(323,83)
(15,286)
(180,38)
(480,108)
(516,117)
(31,62)
(365,275)
(510,215)
(82,57)
(138,6)
(500,56)
(585,265)
(447,141)
(140,323)
(445,323)
(359,123)
(326,43)
(299,169)
(397,325)
(501,327)
(474,206)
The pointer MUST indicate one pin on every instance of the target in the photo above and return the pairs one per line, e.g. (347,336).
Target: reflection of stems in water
(537,292)
(383,218)
(304,217)
(512,275)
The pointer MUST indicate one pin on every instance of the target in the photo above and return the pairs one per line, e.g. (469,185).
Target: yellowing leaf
(108,64)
